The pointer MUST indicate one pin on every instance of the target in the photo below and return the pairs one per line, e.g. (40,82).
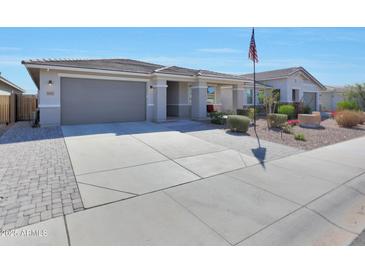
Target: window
(260,96)
(249,96)
(211,95)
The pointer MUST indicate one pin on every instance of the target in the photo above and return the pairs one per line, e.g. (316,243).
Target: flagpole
(252,54)
(254,94)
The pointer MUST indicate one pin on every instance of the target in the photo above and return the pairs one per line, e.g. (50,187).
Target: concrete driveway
(189,184)
(122,160)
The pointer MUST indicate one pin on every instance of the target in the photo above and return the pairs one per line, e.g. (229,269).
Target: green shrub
(217,117)
(299,137)
(347,105)
(251,113)
(288,129)
(238,123)
(347,118)
(288,110)
(306,110)
(276,120)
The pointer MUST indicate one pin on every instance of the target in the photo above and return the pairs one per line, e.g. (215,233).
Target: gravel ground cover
(330,133)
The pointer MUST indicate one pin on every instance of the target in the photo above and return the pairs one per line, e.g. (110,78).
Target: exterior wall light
(50,83)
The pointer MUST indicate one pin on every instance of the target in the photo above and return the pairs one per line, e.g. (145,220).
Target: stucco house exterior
(330,97)
(118,90)
(296,84)
(124,90)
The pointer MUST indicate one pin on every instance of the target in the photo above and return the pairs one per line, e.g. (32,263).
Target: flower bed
(293,122)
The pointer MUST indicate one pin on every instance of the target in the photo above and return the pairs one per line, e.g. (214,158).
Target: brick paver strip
(36,177)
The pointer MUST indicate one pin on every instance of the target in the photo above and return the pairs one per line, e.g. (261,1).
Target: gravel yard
(331,133)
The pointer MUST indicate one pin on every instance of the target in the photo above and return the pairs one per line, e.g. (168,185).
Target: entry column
(199,95)
(237,97)
(159,100)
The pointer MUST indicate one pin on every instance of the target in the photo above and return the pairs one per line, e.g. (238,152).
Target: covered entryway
(85,101)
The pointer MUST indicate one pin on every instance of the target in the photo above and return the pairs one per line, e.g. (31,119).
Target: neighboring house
(7,87)
(295,84)
(8,100)
(121,90)
(330,97)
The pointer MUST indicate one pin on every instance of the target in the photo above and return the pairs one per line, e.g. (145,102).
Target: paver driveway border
(37,181)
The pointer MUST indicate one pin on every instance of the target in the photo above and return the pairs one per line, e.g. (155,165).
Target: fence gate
(26,105)
(4,109)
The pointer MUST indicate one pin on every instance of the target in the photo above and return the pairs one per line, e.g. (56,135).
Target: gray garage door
(309,99)
(85,101)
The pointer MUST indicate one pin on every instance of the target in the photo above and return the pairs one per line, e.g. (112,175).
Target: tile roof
(128,65)
(125,65)
(281,73)
(274,73)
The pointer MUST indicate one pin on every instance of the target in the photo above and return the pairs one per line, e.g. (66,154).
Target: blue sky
(336,56)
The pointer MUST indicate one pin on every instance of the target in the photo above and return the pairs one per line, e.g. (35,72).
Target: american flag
(252,52)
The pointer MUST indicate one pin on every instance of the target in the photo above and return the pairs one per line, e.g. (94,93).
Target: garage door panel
(309,99)
(101,101)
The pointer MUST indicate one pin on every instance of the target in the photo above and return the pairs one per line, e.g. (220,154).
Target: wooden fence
(26,105)
(4,109)
(17,107)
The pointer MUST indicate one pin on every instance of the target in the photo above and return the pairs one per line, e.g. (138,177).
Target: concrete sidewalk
(310,198)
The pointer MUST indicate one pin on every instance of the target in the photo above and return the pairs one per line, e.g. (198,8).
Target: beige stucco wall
(295,81)
(329,100)
(226,98)
(50,97)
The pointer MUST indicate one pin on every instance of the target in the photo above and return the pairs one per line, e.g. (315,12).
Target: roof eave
(83,69)
(11,84)
(314,79)
(32,76)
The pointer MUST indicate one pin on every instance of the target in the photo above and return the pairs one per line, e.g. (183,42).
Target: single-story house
(9,93)
(118,90)
(295,84)
(8,88)
(121,90)
(330,97)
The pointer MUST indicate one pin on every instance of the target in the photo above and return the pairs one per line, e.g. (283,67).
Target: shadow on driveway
(259,152)
(23,132)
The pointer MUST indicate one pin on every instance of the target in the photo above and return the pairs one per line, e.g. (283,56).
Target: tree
(356,93)
(270,100)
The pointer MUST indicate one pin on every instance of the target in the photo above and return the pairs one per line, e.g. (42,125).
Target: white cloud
(219,50)
(9,49)
(10,60)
